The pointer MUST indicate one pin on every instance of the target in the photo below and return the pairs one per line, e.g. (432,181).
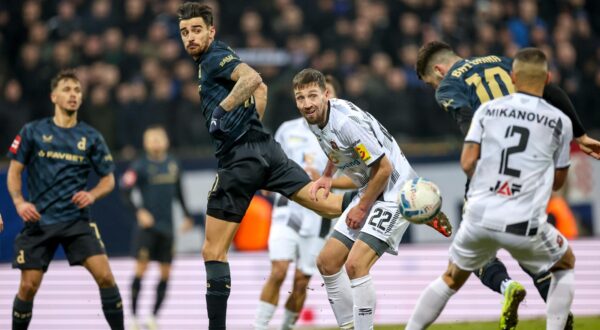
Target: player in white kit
(359,146)
(297,234)
(516,152)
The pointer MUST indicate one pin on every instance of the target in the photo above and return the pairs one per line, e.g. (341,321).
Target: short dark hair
(426,52)
(62,75)
(153,127)
(329,79)
(190,10)
(531,55)
(307,77)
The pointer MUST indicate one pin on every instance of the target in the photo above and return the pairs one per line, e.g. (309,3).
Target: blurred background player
(462,85)
(59,152)
(528,140)
(233,99)
(297,234)
(358,145)
(157,175)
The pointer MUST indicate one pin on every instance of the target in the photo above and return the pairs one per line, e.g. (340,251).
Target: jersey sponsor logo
(82,144)
(47,138)
(506,189)
(362,152)
(61,156)
(15,145)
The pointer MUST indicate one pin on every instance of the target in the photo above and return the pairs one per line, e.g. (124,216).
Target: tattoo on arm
(247,80)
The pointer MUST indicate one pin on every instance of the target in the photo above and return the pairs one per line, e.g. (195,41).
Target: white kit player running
(516,152)
(364,151)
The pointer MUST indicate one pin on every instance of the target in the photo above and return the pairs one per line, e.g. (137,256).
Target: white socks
(430,305)
(339,293)
(363,293)
(289,319)
(264,314)
(560,298)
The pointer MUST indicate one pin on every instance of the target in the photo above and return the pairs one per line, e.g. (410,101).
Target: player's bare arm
(381,171)
(560,176)
(247,81)
(589,146)
(260,99)
(1,224)
(86,198)
(469,157)
(26,210)
(324,182)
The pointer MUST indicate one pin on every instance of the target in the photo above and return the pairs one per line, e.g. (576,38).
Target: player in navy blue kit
(462,85)
(233,99)
(157,176)
(59,152)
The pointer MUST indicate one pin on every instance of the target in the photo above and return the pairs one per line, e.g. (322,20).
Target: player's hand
(144,218)
(321,183)
(356,217)
(216,125)
(28,212)
(187,225)
(83,199)
(312,173)
(589,146)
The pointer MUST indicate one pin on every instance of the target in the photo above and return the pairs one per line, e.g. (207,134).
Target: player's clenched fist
(356,217)
(28,212)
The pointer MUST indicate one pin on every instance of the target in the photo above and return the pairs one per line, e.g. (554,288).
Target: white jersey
(523,140)
(301,146)
(353,140)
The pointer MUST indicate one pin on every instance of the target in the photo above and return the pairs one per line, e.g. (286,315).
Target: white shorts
(384,222)
(474,246)
(286,244)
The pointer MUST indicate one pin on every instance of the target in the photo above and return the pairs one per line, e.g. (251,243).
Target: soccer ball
(420,200)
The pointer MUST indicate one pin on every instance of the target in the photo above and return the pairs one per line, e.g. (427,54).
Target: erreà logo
(15,145)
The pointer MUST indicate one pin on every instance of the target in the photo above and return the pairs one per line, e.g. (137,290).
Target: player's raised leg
(219,234)
(330,263)
(112,305)
(31,279)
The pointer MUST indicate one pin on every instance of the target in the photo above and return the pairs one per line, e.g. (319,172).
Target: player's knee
(212,253)
(28,289)
(278,275)
(355,269)
(105,279)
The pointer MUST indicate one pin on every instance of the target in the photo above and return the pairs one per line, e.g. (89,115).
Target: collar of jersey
(328,113)
(201,58)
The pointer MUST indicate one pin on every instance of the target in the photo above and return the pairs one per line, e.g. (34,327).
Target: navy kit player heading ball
(59,152)
(233,99)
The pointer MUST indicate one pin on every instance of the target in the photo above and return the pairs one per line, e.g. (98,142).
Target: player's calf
(112,307)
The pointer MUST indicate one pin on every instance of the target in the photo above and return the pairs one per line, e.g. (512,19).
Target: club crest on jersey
(362,152)
(506,189)
(15,145)
(47,138)
(81,145)
(334,145)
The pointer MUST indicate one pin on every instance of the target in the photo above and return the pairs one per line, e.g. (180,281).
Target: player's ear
(548,77)
(53,97)
(513,76)
(439,71)
(212,32)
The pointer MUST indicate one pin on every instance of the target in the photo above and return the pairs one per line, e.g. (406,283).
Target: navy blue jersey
(159,185)
(58,162)
(471,82)
(214,84)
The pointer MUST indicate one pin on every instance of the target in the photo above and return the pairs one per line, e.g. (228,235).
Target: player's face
(311,101)
(196,35)
(67,95)
(156,141)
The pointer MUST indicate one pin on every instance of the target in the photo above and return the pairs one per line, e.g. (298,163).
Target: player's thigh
(34,247)
(239,175)
(285,176)
(334,253)
(99,267)
(363,256)
(217,239)
(82,240)
(309,249)
(142,244)
(283,242)
(537,253)
(385,223)
(473,246)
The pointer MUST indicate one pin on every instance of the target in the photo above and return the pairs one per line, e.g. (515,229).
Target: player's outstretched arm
(247,81)
(589,146)
(260,99)
(26,210)
(86,198)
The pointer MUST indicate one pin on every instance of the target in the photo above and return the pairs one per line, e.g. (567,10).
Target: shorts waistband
(521,229)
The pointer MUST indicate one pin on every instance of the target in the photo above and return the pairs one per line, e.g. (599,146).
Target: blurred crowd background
(136,72)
